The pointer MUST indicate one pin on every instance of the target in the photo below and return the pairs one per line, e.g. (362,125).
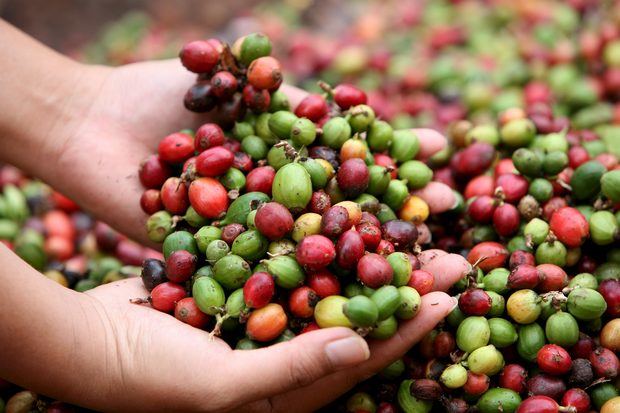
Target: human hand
(169,366)
(118,118)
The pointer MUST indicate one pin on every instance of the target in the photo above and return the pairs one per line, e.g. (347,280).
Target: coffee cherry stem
(219,320)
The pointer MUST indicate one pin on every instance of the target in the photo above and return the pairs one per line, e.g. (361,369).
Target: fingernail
(455,303)
(347,352)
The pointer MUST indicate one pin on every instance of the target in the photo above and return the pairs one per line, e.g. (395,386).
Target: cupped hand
(170,366)
(130,109)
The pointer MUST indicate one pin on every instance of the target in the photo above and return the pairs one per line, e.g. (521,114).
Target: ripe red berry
(214,161)
(374,270)
(165,296)
(153,172)
(313,107)
(150,201)
(273,220)
(353,177)
(260,179)
(199,56)
(422,281)
(258,290)
(482,208)
(349,249)
(174,196)
(208,197)
(475,301)
(569,226)
(265,73)
(513,377)
(506,219)
(224,84)
(346,95)
(553,359)
(302,302)
(187,311)
(176,148)
(180,266)
(324,283)
(315,252)
(208,136)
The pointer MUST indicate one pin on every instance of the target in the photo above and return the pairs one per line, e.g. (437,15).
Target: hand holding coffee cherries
(84,130)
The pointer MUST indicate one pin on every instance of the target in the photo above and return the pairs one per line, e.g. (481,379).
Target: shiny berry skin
(476,384)
(174,196)
(371,235)
(473,160)
(482,185)
(273,220)
(481,209)
(553,359)
(266,323)
(386,161)
(224,84)
(208,136)
(353,177)
(176,148)
(605,363)
(335,221)
(349,249)
(444,344)
(422,281)
(569,226)
(323,283)
(583,348)
(232,145)
(243,162)
(165,296)
(538,404)
(199,56)
(257,100)
(475,301)
(346,95)
(546,385)
(513,186)
(374,271)
(368,218)
(258,290)
(494,254)
(153,172)
(506,220)
(524,276)
(214,161)
(520,257)
(513,377)
(385,248)
(187,311)
(315,252)
(578,399)
(400,233)
(610,290)
(302,301)
(552,205)
(577,155)
(199,97)
(208,197)
(150,201)
(180,266)
(260,179)
(313,107)
(265,73)
(554,278)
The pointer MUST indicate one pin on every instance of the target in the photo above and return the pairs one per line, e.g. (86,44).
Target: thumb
(298,362)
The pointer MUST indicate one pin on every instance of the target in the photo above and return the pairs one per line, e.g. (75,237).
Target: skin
(84,129)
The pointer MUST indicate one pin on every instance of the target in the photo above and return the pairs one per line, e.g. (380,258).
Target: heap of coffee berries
(537,326)
(276,222)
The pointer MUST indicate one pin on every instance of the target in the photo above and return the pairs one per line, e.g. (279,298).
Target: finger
(120,291)
(447,270)
(295,95)
(296,363)
(431,142)
(427,256)
(438,196)
(435,306)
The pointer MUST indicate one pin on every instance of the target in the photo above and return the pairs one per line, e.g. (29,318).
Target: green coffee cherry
(416,173)
(253,46)
(405,145)
(336,131)
(518,133)
(303,132)
(379,136)
(281,123)
(361,117)
(361,311)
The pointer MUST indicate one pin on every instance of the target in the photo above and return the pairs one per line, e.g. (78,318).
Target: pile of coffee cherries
(276,222)
(49,232)
(537,327)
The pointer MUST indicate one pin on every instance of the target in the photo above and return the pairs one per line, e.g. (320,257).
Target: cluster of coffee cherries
(537,326)
(285,221)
